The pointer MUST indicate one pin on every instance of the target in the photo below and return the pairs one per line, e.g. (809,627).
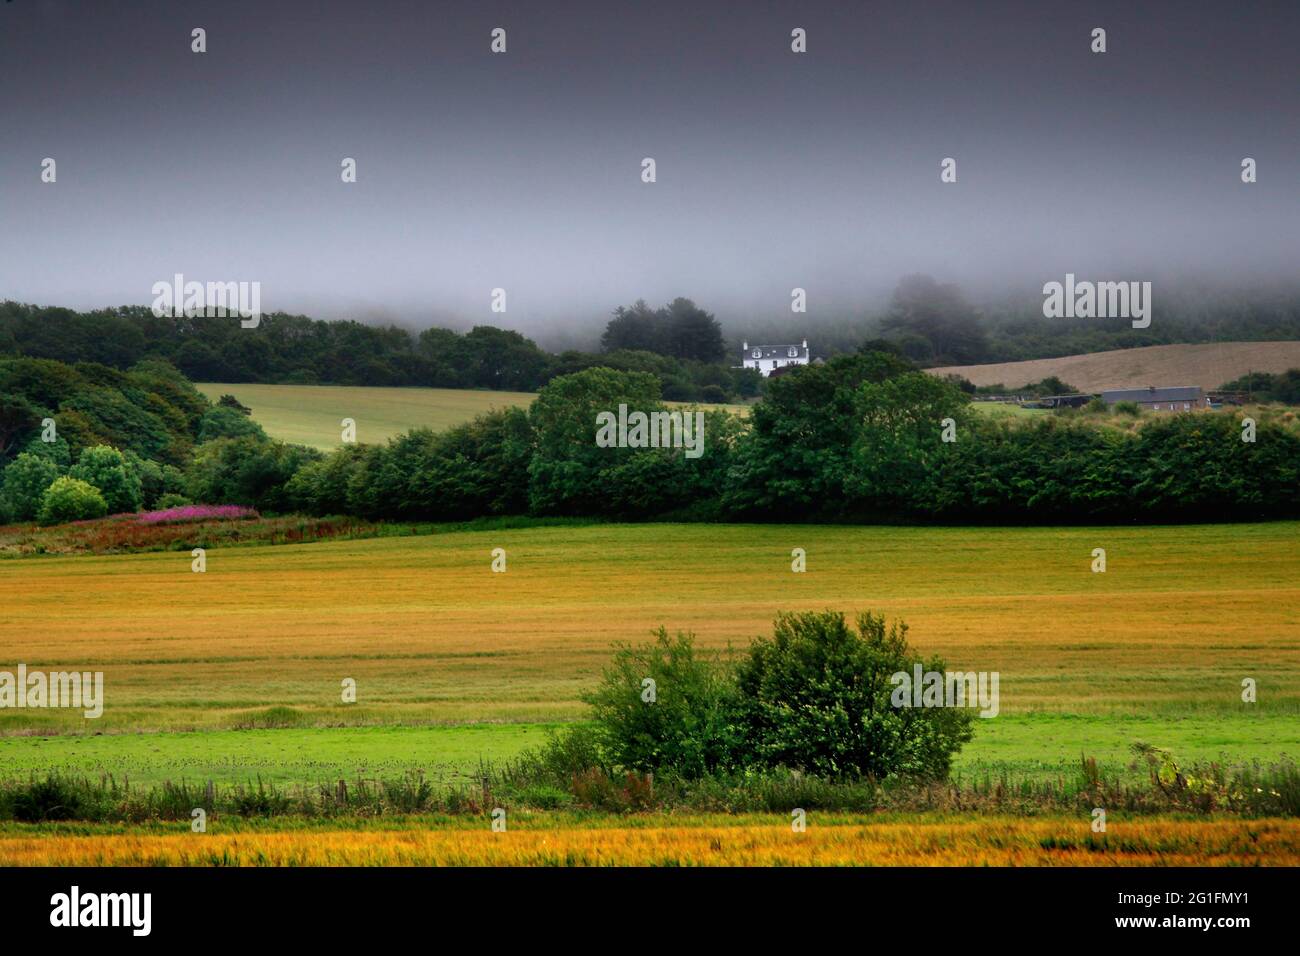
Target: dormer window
(792,352)
(758,353)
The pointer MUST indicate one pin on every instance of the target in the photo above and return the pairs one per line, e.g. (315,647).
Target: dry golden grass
(431,634)
(1209,366)
(996,841)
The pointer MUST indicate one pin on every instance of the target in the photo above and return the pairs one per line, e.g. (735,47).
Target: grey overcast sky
(522,170)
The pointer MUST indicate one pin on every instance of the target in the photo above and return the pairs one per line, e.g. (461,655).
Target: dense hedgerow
(861,438)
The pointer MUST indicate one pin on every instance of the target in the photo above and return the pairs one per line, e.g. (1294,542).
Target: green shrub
(687,726)
(570,752)
(1096,407)
(24,484)
(71,499)
(41,801)
(171,500)
(107,469)
(816,697)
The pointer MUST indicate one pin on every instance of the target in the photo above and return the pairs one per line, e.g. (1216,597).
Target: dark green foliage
(229,401)
(816,697)
(1265,387)
(43,801)
(900,442)
(23,486)
(1175,467)
(933,324)
(246,471)
(795,461)
(680,329)
(225,422)
(569,472)
(19,421)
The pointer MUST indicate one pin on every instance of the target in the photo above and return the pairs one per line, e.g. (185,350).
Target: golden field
(431,635)
(665,841)
(1208,365)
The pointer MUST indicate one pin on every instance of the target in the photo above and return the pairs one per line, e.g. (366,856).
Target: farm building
(1062,401)
(1181,398)
(769,358)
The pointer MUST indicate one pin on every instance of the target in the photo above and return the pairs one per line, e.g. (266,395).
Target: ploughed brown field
(1208,366)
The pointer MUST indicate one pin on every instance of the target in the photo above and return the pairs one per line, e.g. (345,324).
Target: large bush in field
(24,484)
(687,727)
(816,696)
(71,499)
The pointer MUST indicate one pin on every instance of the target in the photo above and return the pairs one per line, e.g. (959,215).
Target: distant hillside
(1206,365)
(311,414)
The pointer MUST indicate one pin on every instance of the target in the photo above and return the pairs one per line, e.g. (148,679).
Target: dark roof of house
(775,351)
(1178,393)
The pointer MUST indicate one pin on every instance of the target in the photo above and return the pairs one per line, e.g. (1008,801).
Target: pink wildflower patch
(197,513)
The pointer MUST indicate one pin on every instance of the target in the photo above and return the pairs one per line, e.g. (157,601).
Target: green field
(236,672)
(311,414)
(1028,747)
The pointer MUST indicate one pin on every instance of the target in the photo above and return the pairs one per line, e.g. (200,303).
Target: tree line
(294,349)
(864,437)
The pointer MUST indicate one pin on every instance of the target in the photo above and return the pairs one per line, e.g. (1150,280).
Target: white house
(768,358)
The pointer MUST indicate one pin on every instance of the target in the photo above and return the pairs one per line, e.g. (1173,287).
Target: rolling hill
(310,414)
(1208,365)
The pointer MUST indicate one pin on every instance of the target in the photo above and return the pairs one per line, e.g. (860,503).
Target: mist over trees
(680,329)
(297,350)
(933,323)
(930,322)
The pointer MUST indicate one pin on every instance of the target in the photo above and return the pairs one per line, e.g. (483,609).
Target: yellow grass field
(1209,366)
(704,841)
(431,634)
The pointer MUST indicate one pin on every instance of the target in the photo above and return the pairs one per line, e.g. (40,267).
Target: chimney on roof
(744,345)
(805,343)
